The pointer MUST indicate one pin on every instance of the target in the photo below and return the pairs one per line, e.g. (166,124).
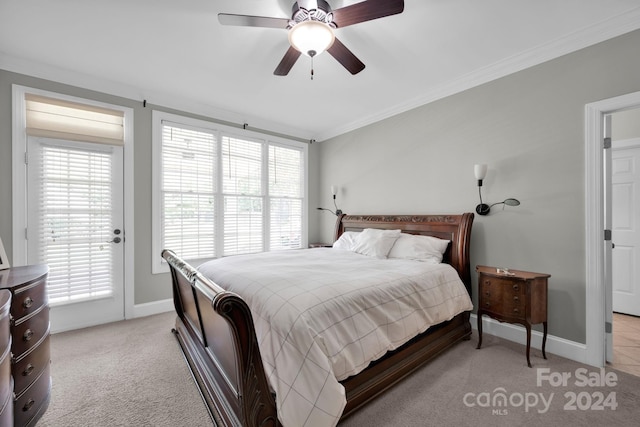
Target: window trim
(159,265)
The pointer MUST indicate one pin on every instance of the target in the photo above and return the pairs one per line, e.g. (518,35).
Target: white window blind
(223,193)
(67,120)
(286,193)
(243,203)
(189,160)
(75,207)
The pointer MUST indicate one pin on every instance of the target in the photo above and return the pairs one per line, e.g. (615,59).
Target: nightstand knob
(516,310)
(487,293)
(516,298)
(487,304)
(516,287)
(487,282)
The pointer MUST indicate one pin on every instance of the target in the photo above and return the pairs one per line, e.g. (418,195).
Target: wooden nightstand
(513,297)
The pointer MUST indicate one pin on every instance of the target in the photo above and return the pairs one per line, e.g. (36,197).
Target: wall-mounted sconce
(483,209)
(337,212)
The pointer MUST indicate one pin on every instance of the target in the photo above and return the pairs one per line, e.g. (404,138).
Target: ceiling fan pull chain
(312,68)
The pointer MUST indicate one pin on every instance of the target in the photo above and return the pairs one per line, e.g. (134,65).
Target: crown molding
(110,87)
(588,36)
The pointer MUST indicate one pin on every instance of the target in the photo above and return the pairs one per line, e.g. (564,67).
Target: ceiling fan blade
(366,11)
(287,62)
(252,21)
(345,57)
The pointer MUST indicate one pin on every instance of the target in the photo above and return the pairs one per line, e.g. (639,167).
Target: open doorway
(598,318)
(625,225)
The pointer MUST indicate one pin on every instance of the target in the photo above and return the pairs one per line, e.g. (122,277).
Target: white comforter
(322,315)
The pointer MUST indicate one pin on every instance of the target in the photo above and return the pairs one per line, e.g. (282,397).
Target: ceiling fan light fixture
(311,37)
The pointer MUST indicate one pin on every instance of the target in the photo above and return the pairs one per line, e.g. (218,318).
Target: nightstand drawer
(502,297)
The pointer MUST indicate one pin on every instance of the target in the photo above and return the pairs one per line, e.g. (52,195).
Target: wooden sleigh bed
(216,332)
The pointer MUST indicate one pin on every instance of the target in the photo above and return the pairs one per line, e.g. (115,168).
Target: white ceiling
(175,53)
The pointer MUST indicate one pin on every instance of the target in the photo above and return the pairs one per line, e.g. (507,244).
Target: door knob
(115,240)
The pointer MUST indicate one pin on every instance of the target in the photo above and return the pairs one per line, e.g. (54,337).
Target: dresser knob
(27,335)
(516,287)
(28,370)
(487,282)
(516,298)
(28,405)
(516,310)
(28,302)
(487,304)
(487,294)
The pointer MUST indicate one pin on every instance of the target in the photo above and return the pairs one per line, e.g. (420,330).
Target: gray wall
(529,128)
(148,287)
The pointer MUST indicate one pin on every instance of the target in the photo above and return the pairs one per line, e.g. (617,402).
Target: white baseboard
(151,308)
(516,333)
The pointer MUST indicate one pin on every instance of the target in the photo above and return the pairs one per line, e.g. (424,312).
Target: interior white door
(626,228)
(75,225)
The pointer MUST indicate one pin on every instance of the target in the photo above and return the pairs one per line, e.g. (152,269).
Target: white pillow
(346,241)
(375,243)
(420,248)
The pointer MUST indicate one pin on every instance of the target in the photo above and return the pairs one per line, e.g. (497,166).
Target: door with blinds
(75,221)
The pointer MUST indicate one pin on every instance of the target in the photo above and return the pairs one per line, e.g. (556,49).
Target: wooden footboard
(215,330)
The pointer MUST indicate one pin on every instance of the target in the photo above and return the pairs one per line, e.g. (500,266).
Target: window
(221,191)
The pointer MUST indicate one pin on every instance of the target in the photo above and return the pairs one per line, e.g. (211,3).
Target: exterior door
(75,225)
(626,227)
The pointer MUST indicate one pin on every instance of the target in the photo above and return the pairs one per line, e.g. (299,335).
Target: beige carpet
(128,373)
(132,373)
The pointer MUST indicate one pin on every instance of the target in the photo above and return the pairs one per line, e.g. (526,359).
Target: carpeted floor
(132,373)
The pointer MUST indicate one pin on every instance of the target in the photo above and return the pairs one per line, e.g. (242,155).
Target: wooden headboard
(456,228)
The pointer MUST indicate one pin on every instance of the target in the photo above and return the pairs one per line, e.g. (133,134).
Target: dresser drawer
(29,298)
(29,403)
(28,331)
(27,368)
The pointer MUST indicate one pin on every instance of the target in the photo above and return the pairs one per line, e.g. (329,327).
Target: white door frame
(594,222)
(19,188)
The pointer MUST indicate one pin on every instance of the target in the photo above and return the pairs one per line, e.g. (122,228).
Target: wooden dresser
(30,360)
(6,380)
(514,297)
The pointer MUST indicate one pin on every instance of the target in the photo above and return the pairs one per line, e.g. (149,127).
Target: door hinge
(607,235)
(606,143)
(608,327)
(26,158)
(26,235)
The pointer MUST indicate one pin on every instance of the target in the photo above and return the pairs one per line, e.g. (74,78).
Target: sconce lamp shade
(480,171)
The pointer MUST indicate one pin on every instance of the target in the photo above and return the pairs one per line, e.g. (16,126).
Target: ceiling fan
(311,29)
